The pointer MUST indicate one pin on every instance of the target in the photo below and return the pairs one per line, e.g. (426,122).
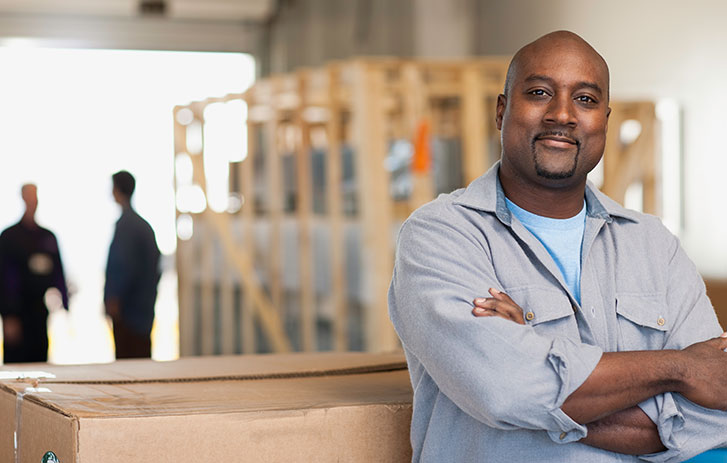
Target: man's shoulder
(131,219)
(622,216)
(447,216)
(443,206)
(18,230)
(46,232)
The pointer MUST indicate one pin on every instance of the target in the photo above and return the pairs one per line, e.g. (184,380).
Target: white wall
(664,49)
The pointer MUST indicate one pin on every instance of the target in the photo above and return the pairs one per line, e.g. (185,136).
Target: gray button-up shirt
(490,390)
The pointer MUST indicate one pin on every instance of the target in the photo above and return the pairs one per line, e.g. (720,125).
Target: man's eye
(586,99)
(538,92)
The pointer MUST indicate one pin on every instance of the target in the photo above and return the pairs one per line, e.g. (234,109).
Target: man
(132,275)
(30,264)
(598,342)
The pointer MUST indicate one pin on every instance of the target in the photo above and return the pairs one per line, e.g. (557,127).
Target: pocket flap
(541,304)
(643,309)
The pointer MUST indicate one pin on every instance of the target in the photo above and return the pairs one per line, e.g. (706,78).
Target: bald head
(554,41)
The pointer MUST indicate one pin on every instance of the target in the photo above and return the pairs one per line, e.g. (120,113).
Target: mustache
(559,134)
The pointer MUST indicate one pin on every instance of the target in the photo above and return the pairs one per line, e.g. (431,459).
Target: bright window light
(224,141)
(70,119)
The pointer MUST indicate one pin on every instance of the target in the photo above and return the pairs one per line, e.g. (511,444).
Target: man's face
(554,119)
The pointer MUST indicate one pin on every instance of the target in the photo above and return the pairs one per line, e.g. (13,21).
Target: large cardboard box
(350,407)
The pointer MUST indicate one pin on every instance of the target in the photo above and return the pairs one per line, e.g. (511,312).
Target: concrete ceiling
(195,25)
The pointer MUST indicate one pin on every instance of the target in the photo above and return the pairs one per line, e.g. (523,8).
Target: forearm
(623,379)
(629,431)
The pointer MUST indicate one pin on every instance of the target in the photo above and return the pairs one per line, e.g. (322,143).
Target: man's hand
(705,373)
(499,305)
(12,330)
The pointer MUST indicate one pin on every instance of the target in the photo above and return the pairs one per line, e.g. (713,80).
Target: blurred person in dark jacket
(30,264)
(132,275)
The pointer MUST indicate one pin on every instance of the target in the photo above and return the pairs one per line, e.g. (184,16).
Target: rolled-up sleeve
(502,374)
(686,429)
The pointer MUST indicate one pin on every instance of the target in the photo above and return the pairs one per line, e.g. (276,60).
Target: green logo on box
(50,457)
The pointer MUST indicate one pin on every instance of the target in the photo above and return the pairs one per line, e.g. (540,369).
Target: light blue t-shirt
(562,238)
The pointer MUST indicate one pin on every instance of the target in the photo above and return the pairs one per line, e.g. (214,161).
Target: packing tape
(25,375)
(18,422)
(18,417)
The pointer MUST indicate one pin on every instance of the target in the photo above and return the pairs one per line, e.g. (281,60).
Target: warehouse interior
(228,113)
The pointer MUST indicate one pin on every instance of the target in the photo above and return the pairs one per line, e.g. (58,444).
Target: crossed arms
(607,401)
(562,384)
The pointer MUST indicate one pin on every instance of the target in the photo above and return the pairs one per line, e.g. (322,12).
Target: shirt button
(562,435)
(529,316)
(661,321)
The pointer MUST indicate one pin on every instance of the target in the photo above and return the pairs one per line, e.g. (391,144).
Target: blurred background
(278,144)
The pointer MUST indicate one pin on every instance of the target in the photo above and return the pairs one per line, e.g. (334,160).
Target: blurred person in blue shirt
(132,275)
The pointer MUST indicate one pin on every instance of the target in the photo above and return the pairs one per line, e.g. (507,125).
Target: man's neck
(28,221)
(554,202)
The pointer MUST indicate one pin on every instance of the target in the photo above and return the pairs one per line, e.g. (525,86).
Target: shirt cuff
(573,363)
(669,421)
(650,408)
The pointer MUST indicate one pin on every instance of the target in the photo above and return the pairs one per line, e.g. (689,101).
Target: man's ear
(608,114)
(501,104)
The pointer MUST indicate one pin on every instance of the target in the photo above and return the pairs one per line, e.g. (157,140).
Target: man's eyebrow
(539,77)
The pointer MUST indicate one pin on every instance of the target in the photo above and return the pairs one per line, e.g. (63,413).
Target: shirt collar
(485,194)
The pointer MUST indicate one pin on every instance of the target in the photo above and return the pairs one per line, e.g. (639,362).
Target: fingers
(723,341)
(499,305)
(500,296)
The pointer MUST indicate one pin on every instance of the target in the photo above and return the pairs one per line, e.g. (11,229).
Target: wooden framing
(346,115)
(626,162)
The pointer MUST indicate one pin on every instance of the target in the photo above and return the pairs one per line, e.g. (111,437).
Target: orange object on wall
(422,160)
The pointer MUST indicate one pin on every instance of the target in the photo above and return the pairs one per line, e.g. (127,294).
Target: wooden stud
(274,193)
(247,328)
(304,208)
(185,265)
(334,193)
(227,309)
(474,160)
(208,289)
(375,203)
(416,116)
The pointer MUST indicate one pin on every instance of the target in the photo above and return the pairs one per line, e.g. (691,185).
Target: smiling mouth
(556,141)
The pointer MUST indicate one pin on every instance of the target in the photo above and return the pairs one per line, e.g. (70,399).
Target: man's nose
(561,111)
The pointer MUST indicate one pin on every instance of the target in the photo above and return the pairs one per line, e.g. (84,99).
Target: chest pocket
(643,323)
(547,310)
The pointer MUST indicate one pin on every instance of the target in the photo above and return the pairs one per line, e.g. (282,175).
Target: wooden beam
(334,194)
(474,155)
(417,116)
(375,203)
(274,192)
(304,208)
(247,212)
(208,286)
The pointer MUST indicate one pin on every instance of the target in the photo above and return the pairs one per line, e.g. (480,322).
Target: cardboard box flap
(149,399)
(247,367)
